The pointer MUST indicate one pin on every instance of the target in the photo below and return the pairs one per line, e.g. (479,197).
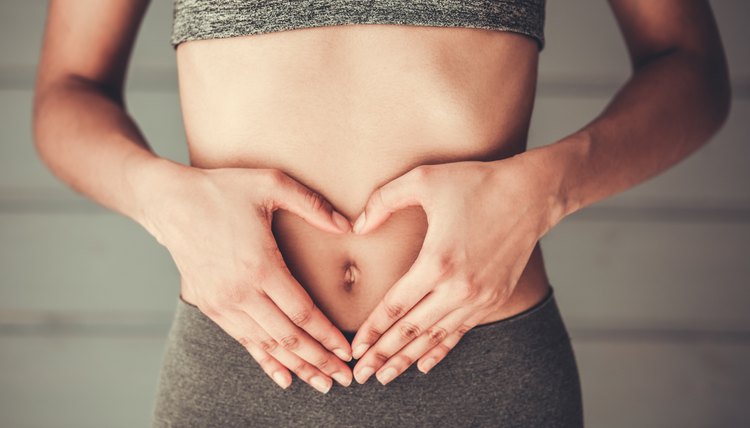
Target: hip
(519,371)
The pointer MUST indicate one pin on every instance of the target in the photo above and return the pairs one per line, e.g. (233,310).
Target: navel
(350,275)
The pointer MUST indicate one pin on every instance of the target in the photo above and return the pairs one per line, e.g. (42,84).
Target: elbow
(706,76)
(41,135)
(45,128)
(712,91)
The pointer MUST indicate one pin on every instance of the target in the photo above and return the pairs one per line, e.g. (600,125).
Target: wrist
(149,179)
(557,166)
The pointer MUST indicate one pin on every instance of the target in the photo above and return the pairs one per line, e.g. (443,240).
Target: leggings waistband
(518,371)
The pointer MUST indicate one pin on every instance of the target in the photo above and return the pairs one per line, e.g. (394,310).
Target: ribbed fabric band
(205,19)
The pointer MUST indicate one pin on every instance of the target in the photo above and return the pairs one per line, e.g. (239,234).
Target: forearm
(87,139)
(668,108)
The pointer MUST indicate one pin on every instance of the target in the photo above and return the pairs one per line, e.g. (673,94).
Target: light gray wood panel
(714,176)
(643,274)
(83,262)
(80,381)
(650,385)
(621,273)
(21,26)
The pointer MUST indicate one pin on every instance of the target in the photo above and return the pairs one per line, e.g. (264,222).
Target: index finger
(400,299)
(297,304)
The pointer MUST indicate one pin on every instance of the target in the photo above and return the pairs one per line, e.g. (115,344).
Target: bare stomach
(345,109)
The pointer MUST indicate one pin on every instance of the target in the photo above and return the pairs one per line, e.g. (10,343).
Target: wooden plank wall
(653,282)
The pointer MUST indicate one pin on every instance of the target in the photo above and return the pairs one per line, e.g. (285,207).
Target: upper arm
(653,28)
(89,40)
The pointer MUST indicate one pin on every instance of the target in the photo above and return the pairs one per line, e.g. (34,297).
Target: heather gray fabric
(517,372)
(203,19)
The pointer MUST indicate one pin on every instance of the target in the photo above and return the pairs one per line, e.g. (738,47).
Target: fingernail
(360,349)
(342,354)
(427,365)
(364,374)
(342,378)
(320,384)
(360,223)
(279,378)
(341,221)
(387,375)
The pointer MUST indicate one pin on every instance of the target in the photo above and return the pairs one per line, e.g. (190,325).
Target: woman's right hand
(216,224)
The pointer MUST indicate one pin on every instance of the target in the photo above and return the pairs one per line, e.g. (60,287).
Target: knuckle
(275,176)
(324,363)
(230,295)
(492,295)
(245,341)
(394,310)
(401,360)
(266,361)
(462,329)
(467,290)
(409,331)
(436,334)
(300,369)
(209,309)
(326,341)
(421,172)
(269,345)
(290,342)
(443,350)
(446,264)
(302,316)
(373,334)
(214,304)
(380,357)
(314,200)
(500,294)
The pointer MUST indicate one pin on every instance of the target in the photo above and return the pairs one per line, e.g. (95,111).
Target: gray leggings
(516,372)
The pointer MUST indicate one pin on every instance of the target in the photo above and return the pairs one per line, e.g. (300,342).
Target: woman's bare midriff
(345,109)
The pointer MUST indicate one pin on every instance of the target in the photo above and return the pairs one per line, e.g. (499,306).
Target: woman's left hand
(484,219)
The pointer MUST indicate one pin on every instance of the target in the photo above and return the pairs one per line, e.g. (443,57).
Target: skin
(84,134)
(454,216)
(677,97)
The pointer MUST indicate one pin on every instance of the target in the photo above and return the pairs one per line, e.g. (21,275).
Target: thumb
(399,193)
(291,195)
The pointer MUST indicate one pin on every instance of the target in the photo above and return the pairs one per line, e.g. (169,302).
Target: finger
(457,329)
(248,334)
(305,371)
(289,296)
(268,351)
(396,194)
(293,196)
(270,365)
(434,307)
(415,349)
(292,338)
(398,300)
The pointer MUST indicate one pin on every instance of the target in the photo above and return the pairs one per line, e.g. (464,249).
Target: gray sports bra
(206,19)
